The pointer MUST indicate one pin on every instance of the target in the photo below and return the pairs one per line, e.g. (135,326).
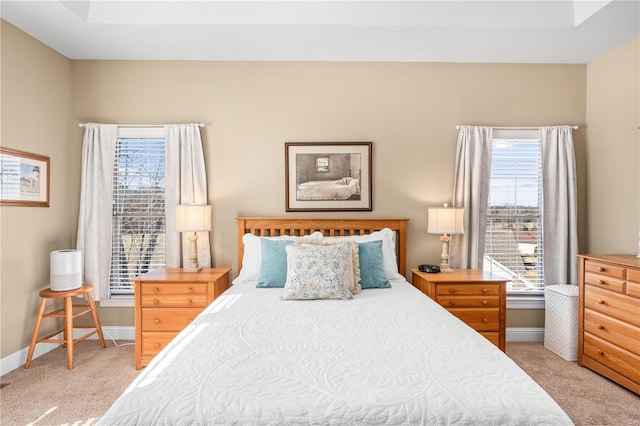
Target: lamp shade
(193,217)
(444,220)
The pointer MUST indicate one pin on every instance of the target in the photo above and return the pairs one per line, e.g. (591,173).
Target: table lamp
(445,221)
(193,218)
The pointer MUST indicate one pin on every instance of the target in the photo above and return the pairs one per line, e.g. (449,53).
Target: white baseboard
(19,358)
(525,334)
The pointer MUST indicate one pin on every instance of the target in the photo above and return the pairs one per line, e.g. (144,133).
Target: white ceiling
(519,31)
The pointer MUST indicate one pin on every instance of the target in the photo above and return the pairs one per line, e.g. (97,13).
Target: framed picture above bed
(328,176)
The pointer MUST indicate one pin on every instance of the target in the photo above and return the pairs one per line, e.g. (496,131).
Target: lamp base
(192,270)
(445,268)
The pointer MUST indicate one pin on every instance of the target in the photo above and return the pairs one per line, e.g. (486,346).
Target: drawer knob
(190,302)
(485,320)
(600,301)
(156,320)
(156,290)
(452,290)
(484,302)
(601,269)
(190,289)
(156,345)
(600,327)
(156,301)
(485,290)
(601,282)
(601,353)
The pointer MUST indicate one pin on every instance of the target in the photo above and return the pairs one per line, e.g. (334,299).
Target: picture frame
(24,179)
(328,176)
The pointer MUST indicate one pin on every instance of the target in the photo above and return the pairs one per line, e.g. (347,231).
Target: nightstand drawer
(469,301)
(154,342)
(603,281)
(492,336)
(172,289)
(175,301)
(468,289)
(613,357)
(479,319)
(167,319)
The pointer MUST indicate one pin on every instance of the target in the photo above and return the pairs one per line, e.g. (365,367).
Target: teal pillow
(273,265)
(371,265)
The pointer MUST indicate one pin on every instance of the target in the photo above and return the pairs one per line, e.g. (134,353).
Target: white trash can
(561,320)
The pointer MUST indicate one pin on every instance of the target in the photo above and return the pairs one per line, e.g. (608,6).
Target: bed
(384,356)
(340,189)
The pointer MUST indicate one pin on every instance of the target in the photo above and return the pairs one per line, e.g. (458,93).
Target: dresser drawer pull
(452,303)
(601,269)
(485,320)
(600,301)
(485,290)
(601,282)
(156,301)
(156,320)
(190,289)
(452,290)
(600,327)
(190,301)
(601,353)
(156,290)
(156,345)
(484,302)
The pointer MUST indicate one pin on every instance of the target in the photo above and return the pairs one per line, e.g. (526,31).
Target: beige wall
(408,110)
(613,150)
(36,108)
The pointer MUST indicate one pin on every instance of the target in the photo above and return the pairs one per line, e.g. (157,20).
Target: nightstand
(474,296)
(167,300)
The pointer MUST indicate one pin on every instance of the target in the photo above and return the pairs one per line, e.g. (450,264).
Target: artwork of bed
(341,189)
(322,328)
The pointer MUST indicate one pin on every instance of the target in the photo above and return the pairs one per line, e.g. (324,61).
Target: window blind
(138,220)
(513,245)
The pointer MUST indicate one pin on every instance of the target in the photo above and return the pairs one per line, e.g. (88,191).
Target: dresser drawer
(176,301)
(604,281)
(633,282)
(479,319)
(615,305)
(167,319)
(612,330)
(605,269)
(468,289)
(154,342)
(613,357)
(468,301)
(171,289)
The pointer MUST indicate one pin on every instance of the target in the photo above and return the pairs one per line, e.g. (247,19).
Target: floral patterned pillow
(318,272)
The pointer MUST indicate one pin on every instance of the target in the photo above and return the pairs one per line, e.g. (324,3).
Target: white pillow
(389,259)
(252,256)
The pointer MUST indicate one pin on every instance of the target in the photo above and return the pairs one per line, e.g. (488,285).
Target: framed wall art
(328,176)
(24,179)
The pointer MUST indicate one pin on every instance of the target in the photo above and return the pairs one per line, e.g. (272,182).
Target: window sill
(517,301)
(117,302)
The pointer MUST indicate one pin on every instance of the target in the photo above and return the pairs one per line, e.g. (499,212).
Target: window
(513,239)
(138,219)
(322,164)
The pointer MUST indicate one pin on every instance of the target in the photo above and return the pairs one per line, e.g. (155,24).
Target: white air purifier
(66,270)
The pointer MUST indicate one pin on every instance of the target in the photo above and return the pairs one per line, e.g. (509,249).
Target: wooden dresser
(477,298)
(167,300)
(609,317)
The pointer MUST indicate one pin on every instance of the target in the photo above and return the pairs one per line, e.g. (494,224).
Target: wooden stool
(68,316)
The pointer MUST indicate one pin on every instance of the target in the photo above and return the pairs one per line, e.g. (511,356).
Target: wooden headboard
(276,226)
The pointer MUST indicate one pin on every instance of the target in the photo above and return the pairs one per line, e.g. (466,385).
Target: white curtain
(471,191)
(185,183)
(560,205)
(94,221)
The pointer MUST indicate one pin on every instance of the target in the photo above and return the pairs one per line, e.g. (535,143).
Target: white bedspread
(387,357)
(341,189)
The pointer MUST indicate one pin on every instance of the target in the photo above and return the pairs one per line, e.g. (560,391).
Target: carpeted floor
(50,394)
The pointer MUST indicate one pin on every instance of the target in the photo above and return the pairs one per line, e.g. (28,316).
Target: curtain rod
(138,125)
(519,128)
